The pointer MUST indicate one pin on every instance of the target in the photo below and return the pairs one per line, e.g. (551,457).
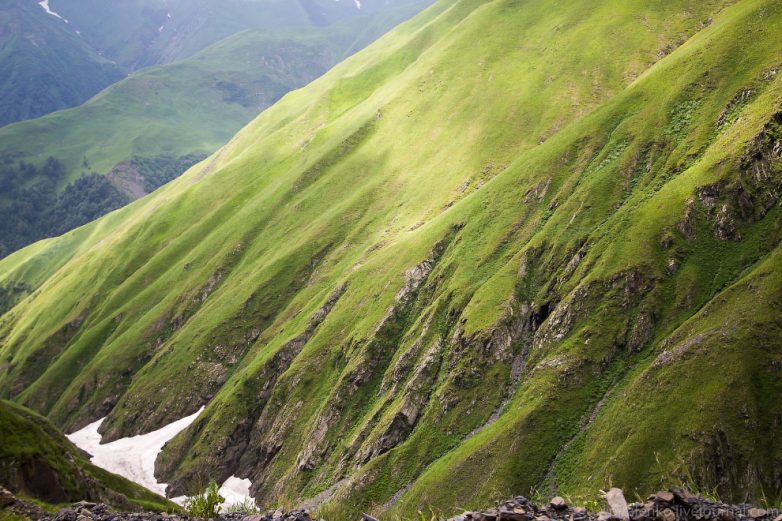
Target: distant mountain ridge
(58,54)
(44,65)
(141,33)
(148,128)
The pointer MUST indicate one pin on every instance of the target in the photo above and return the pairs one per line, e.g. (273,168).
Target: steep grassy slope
(44,65)
(147,129)
(39,462)
(509,246)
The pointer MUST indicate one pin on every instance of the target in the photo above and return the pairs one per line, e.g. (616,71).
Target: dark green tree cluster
(158,171)
(32,207)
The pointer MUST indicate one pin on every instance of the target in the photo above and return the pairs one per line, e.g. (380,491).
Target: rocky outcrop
(415,397)
(373,359)
(15,506)
(232,448)
(749,198)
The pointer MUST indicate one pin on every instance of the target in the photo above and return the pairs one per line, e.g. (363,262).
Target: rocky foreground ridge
(672,505)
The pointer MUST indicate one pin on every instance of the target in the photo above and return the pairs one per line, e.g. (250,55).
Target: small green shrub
(207,504)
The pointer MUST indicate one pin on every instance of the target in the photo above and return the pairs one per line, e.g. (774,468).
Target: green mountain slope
(59,55)
(44,65)
(39,462)
(147,129)
(507,247)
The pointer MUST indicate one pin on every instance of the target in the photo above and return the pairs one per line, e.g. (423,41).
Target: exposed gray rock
(663,496)
(616,500)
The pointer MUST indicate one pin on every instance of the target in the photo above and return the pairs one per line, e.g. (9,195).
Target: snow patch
(134,458)
(45,5)
(236,490)
(357,2)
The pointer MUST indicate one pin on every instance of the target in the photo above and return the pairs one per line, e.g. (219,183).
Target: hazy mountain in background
(140,33)
(72,166)
(44,65)
(57,54)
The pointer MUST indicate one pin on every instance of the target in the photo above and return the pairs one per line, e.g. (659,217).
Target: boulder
(515,514)
(6,498)
(618,504)
(668,515)
(66,514)
(724,514)
(83,504)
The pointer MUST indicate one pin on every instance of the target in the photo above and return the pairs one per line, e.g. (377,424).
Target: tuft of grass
(247,506)
(12,516)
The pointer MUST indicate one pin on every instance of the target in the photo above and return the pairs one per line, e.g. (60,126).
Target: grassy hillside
(44,65)
(508,247)
(147,129)
(39,462)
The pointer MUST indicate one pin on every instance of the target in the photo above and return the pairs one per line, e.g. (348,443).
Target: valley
(507,249)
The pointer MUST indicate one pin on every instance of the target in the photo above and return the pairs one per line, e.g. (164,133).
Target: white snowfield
(134,458)
(45,5)
(236,490)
